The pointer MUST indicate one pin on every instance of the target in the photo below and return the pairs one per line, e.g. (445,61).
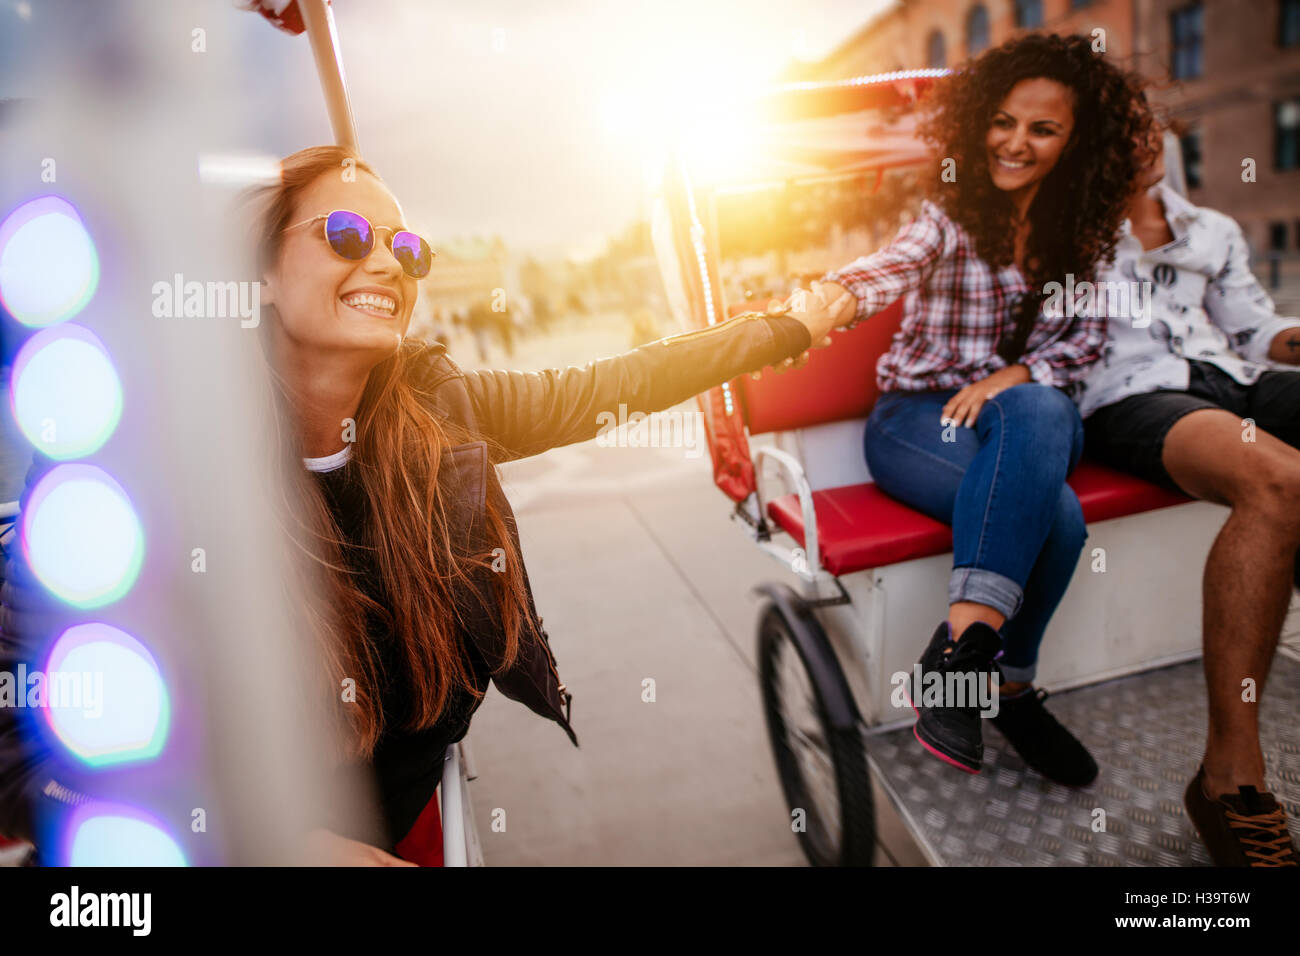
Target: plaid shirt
(956,309)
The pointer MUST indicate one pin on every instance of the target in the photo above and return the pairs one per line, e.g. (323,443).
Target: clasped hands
(830,306)
(827,306)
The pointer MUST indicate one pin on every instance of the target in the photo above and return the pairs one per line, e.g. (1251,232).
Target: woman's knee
(1038,402)
(1068,526)
(1040,412)
(916,478)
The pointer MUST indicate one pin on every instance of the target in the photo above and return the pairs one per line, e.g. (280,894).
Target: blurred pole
(123,100)
(454,849)
(319,21)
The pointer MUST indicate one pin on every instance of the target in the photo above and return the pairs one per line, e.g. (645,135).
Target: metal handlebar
(319,21)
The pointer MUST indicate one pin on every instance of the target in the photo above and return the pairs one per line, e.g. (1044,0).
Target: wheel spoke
(810,746)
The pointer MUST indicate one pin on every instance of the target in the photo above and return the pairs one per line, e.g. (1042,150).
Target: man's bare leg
(1248,576)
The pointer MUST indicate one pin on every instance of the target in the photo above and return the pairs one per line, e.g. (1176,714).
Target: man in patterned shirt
(1185,396)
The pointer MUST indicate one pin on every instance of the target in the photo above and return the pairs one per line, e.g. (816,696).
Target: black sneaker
(1246,828)
(1042,742)
(955,734)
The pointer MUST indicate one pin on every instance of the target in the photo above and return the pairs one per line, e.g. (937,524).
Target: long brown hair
(425,564)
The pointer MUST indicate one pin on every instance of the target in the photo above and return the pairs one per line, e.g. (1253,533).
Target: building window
(1187,35)
(1277,236)
(1191,147)
(1288,23)
(935,55)
(1029,14)
(977,30)
(1286,134)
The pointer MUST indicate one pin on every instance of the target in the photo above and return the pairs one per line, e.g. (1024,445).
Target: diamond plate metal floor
(1146,733)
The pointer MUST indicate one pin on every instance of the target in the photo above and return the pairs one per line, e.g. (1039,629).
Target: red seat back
(838,382)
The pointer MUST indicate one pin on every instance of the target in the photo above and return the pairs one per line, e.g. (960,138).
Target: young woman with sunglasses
(1035,150)
(428,596)
(387,463)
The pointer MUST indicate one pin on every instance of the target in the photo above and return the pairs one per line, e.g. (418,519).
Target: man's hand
(1285,347)
(326,848)
(283,13)
(964,407)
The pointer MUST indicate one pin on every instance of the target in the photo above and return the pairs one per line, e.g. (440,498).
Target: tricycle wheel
(823,769)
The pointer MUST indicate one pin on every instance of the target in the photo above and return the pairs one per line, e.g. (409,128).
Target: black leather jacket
(516,414)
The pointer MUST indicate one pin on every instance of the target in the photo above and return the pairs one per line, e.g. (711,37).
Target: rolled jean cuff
(985,587)
(1011,672)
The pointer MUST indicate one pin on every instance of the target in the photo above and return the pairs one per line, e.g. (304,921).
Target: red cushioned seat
(859,526)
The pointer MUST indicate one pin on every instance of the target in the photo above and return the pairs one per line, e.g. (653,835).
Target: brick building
(1236,71)
(1228,69)
(942,33)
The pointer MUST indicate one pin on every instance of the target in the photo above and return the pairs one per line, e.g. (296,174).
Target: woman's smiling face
(324,301)
(1028,133)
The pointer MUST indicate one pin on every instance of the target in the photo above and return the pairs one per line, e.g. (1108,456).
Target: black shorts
(1130,434)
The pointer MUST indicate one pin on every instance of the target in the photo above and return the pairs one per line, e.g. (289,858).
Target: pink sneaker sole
(942,756)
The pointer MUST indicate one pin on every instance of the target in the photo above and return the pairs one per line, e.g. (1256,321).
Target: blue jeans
(1017,526)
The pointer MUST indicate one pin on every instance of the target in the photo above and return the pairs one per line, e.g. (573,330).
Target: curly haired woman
(1036,152)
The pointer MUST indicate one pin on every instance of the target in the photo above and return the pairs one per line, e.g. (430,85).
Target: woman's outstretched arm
(905,264)
(526,413)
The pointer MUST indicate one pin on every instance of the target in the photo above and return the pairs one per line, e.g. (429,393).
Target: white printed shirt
(1204,304)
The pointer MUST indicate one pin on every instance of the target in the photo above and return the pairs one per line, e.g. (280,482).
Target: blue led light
(112,705)
(48,265)
(110,835)
(65,394)
(81,536)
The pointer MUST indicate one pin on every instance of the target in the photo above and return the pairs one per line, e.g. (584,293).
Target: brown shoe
(1246,828)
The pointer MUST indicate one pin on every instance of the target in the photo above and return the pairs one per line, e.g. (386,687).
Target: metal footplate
(1146,733)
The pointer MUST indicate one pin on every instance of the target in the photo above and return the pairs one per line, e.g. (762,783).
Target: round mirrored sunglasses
(352,237)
